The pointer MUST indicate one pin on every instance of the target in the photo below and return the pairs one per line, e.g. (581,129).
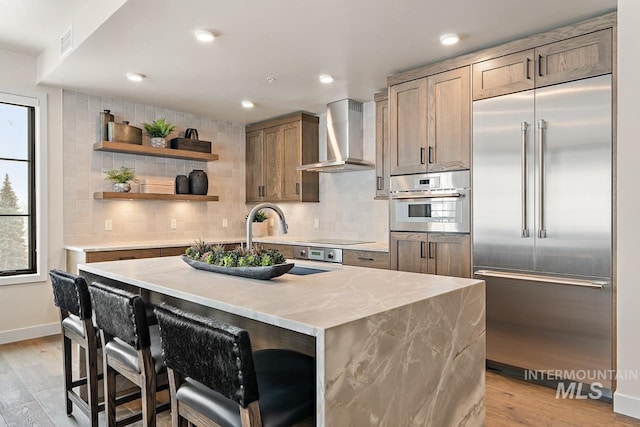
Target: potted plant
(259,225)
(121,178)
(158,131)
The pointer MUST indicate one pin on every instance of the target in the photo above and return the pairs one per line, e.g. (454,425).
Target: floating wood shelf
(121,147)
(106,195)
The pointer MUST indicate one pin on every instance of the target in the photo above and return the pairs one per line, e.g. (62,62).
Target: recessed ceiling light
(247,104)
(205,36)
(135,77)
(449,39)
(326,78)
(271,79)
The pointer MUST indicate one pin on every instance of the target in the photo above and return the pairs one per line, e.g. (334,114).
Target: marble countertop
(283,240)
(307,304)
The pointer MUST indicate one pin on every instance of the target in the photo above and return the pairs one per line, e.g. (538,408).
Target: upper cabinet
(500,76)
(273,150)
(382,145)
(430,123)
(449,120)
(575,58)
(563,61)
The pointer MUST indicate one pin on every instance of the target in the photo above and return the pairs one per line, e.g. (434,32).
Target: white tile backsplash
(346,210)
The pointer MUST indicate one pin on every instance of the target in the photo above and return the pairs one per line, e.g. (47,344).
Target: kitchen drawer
(124,254)
(174,251)
(286,250)
(366,259)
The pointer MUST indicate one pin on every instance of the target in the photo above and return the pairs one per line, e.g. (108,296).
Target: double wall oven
(431,202)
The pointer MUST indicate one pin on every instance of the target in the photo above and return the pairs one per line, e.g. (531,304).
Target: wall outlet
(108,225)
(174,224)
(271,222)
(225,222)
(316,223)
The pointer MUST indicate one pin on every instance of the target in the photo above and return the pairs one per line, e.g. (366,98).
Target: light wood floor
(31,394)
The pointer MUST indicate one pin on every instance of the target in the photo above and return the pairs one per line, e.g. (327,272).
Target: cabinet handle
(526,69)
(540,65)
(430,154)
(259,190)
(422,155)
(378,182)
(432,250)
(297,188)
(126,257)
(361,258)
(421,249)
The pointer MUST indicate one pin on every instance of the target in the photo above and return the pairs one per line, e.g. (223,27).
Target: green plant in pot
(158,132)
(259,226)
(121,178)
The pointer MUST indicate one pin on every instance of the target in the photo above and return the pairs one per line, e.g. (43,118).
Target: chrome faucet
(252,215)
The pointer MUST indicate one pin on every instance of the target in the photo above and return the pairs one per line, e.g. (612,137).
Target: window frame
(38,209)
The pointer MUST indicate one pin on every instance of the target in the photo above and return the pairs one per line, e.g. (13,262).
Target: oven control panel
(318,254)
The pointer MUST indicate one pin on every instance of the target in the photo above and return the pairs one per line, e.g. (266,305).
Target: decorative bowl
(262,273)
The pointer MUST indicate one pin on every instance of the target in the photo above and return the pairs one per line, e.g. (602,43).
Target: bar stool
(71,296)
(214,377)
(130,348)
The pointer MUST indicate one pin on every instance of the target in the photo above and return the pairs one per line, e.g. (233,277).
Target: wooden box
(191,145)
(158,186)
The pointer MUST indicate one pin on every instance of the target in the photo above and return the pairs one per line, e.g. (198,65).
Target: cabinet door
(449,255)
(272,164)
(408,252)
(291,157)
(408,127)
(575,58)
(382,149)
(253,164)
(449,120)
(500,76)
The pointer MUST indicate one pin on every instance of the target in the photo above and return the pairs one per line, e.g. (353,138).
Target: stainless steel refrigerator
(542,226)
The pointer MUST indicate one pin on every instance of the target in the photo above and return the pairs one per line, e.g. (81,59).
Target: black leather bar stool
(71,296)
(130,348)
(215,379)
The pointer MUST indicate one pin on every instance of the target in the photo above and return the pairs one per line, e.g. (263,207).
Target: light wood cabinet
(431,253)
(575,58)
(430,123)
(253,163)
(274,148)
(500,76)
(408,127)
(449,120)
(369,259)
(382,145)
(285,250)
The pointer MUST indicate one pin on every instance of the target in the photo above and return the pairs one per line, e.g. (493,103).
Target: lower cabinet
(431,253)
(285,250)
(369,259)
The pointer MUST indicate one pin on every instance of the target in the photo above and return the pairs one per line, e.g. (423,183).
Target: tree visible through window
(17,219)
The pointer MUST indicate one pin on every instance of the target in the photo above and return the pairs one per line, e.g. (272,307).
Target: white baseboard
(626,405)
(29,333)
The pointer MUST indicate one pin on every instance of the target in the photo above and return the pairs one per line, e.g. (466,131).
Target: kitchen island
(392,348)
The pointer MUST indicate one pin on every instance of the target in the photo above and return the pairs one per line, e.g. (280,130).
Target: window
(19,188)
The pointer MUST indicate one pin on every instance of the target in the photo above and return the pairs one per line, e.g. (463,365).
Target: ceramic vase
(121,187)
(158,142)
(198,182)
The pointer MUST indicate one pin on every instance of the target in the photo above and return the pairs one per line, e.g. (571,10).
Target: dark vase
(182,184)
(198,182)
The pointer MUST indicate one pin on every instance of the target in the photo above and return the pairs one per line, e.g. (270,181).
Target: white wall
(27,310)
(627,395)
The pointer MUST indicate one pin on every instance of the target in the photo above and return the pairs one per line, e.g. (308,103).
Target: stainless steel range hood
(344,139)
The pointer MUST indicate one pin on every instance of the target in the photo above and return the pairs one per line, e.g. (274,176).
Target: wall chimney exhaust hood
(344,139)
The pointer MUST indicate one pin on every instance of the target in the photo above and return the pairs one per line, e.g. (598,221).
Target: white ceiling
(360,42)
(29,26)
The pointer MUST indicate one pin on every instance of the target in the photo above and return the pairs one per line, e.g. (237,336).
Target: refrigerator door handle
(545,279)
(542,126)
(524,126)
